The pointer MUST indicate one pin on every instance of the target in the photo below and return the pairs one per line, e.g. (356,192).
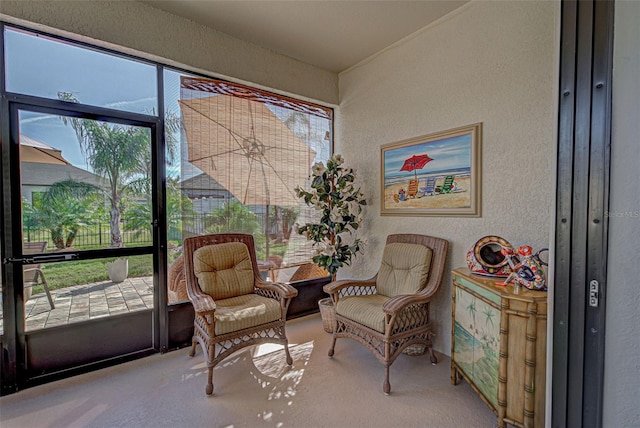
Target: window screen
(243,152)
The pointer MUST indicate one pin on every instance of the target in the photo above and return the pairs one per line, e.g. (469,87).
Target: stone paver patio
(86,302)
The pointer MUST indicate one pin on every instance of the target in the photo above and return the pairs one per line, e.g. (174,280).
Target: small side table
(499,345)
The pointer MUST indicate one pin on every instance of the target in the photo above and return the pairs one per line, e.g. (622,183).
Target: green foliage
(232,216)
(138,215)
(340,203)
(122,155)
(64,208)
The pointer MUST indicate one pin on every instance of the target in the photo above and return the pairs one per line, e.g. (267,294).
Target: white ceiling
(331,34)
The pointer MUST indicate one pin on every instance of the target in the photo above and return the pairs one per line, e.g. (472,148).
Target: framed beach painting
(433,175)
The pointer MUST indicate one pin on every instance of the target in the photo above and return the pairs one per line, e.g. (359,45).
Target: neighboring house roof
(203,186)
(44,174)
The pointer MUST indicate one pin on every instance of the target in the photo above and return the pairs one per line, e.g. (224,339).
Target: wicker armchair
(390,311)
(234,307)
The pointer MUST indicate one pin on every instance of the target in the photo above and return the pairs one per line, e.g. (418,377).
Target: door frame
(584,144)
(19,369)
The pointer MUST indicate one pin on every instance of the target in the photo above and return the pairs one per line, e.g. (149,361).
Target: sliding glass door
(79,237)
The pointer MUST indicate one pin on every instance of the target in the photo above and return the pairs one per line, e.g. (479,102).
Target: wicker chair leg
(289,359)
(386,386)
(194,343)
(432,356)
(333,345)
(209,389)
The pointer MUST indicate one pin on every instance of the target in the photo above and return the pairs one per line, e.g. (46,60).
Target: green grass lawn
(66,274)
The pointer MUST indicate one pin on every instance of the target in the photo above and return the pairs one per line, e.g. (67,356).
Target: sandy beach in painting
(460,199)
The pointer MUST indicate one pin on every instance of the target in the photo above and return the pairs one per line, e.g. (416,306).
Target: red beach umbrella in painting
(416,162)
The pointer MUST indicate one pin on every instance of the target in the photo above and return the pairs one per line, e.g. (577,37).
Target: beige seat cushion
(250,310)
(404,269)
(365,310)
(224,270)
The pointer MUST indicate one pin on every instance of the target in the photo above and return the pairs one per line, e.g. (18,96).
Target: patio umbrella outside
(35,151)
(415,162)
(246,148)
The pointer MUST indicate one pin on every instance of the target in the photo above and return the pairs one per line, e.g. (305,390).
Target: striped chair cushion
(366,310)
(250,310)
(404,269)
(224,270)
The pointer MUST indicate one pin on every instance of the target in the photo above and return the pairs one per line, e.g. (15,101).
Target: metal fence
(99,234)
(96,235)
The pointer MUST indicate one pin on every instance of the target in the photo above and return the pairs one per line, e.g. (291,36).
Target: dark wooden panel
(61,348)
(309,292)
(181,316)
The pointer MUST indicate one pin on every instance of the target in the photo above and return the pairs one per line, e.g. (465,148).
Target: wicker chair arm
(396,304)
(203,304)
(336,286)
(286,291)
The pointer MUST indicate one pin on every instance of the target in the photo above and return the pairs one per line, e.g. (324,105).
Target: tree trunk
(116,237)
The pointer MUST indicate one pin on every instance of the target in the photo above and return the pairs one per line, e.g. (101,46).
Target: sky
(39,66)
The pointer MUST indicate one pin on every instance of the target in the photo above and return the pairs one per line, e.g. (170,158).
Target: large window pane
(85,184)
(241,154)
(40,66)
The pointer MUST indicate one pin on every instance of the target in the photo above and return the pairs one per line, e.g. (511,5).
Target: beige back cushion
(224,270)
(404,269)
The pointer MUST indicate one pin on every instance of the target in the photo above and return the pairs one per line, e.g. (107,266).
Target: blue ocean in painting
(464,341)
(402,178)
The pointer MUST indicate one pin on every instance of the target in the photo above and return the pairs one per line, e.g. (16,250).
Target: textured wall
(141,28)
(622,345)
(490,62)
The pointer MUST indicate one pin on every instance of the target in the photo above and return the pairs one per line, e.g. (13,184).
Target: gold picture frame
(433,175)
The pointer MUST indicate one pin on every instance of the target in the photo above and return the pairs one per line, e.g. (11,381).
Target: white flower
(335,216)
(330,250)
(318,169)
(338,159)
(346,190)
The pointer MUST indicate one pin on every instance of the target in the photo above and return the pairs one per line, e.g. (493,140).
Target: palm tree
(179,211)
(488,313)
(65,207)
(120,154)
(471,307)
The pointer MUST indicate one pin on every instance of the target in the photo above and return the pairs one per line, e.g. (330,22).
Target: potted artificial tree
(334,236)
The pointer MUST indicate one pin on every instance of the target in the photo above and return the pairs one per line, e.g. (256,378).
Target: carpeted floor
(255,388)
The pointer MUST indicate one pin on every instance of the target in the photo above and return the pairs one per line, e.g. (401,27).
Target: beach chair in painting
(412,190)
(32,273)
(429,188)
(447,186)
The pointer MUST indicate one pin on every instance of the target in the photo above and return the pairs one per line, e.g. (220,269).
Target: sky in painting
(447,154)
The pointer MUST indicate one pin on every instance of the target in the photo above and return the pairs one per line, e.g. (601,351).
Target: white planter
(118,270)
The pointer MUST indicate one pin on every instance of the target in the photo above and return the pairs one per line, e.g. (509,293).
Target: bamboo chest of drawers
(499,345)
